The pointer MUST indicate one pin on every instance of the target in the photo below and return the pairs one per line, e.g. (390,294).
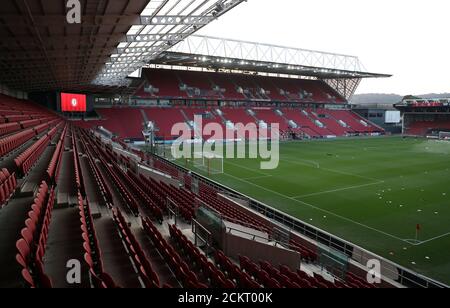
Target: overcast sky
(407,38)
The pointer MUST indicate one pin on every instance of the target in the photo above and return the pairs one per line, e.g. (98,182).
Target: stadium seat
(28,279)
(8,184)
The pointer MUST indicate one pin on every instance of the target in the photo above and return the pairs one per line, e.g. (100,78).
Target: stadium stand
(101,183)
(232,87)
(269,116)
(136,194)
(132,128)
(317,123)
(228,99)
(165,118)
(422,128)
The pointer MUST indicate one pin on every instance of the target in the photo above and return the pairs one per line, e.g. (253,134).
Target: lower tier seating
(315,123)
(422,128)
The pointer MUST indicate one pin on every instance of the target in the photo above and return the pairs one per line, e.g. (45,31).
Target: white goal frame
(444,136)
(208,162)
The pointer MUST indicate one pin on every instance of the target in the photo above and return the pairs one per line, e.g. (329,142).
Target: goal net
(444,135)
(165,151)
(208,162)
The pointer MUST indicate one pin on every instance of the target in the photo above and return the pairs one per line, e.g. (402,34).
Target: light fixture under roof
(162,24)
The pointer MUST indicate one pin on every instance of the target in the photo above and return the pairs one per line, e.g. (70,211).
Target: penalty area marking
(338,190)
(333,171)
(319,209)
(258,177)
(246,168)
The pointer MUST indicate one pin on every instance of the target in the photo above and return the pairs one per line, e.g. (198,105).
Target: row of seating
(101,149)
(43,278)
(54,166)
(147,186)
(32,244)
(42,127)
(100,181)
(122,144)
(284,277)
(141,190)
(233,271)
(25,115)
(8,184)
(146,272)
(124,160)
(188,182)
(165,168)
(12,142)
(30,123)
(123,187)
(183,200)
(354,281)
(92,253)
(9,128)
(8,112)
(199,261)
(181,269)
(269,276)
(306,253)
(210,197)
(28,158)
(16,118)
(77,172)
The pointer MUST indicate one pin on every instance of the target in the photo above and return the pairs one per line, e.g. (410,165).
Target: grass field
(372,192)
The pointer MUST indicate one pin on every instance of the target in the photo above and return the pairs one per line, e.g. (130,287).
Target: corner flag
(418,229)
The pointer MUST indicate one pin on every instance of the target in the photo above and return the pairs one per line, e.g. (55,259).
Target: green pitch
(371,192)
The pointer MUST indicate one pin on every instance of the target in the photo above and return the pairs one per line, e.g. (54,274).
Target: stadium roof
(342,72)
(40,50)
(228,54)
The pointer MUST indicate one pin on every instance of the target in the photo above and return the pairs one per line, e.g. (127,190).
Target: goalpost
(444,136)
(208,162)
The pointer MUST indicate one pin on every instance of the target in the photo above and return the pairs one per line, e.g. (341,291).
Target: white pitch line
(249,169)
(319,209)
(312,162)
(339,189)
(334,171)
(413,242)
(432,239)
(258,177)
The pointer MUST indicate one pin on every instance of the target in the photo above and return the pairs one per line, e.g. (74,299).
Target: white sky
(407,38)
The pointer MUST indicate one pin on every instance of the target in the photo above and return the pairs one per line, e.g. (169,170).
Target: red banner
(73,102)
